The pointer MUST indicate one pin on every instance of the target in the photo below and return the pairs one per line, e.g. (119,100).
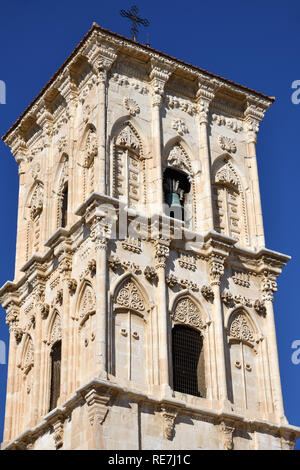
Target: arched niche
(128,165)
(88,151)
(178,182)
(130,332)
(33,211)
(61,191)
(229,201)
(190,346)
(245,365)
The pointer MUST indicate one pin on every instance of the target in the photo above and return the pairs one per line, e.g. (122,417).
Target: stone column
(204,216)
(102,62)
(11,402)
(65,268)
(99,234)
(160,73)
(216,265)
(161,255)
(253,115)
(268,287)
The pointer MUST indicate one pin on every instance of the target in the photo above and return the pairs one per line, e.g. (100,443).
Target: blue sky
(253,43)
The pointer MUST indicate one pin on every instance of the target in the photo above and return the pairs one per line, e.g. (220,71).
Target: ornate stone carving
(169,416)
(216,266)
(56,333)
(187,312)
(132,244)
(226,175)
(268,286)
(227,298)
(44,310)
(179,103)
(240,329)
(207,293)
(97,401)
(114,263)
(187,262)
(36,204)
(227,431)
(87,304)
(177,158)
(59,297)
(260,308)
(150,274)
(161,254)
(131,106)
(179,126)
(230,123)
(129,297)
(72,286)
(92,266)
(241,278)
(127,138)
(131,267)
(58,428)
(227,144)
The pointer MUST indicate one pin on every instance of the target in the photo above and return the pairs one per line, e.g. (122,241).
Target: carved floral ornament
(130,297)
(226,175)
(187,312)
(178,158)
(241,330)
(87,305)
(169,416)
(36,203)
(128,138)
(179,126)
(227,144)
(131,106)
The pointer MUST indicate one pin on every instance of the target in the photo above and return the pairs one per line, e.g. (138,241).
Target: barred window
(55,374)
(188,361)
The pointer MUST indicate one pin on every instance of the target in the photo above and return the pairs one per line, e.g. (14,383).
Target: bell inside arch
(176,185)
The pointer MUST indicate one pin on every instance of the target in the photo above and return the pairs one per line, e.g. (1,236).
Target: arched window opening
(188,361)
(55,374)
(64,206)
(175,186)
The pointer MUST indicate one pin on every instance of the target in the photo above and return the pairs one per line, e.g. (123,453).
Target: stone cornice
(161,402)
(108,44)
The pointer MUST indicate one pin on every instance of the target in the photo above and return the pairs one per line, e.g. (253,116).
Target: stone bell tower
(141,312)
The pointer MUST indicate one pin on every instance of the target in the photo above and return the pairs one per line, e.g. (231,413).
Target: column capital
(159,75)
(216,268)
(162,252)
(204,96)
(268,285)
(227,429)
(254,114)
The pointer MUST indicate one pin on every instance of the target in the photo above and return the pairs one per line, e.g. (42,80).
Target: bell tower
(141,312)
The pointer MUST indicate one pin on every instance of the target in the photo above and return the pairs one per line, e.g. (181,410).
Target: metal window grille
(55,374)
(186,349)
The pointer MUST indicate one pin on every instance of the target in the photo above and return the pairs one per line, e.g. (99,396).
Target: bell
(175,200)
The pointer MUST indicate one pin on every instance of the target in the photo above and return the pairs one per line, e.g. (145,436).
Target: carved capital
(150,274)
(227,430)
(97,401)
(159,75)
(216,267)
(161,254)
(58,428)
(72,286)
(169,415)
(268,286)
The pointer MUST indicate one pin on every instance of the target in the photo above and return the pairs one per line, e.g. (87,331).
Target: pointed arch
(196,315)
(33,209)
(61,191)
(128,164)
(179,178)
(53,328)
(229,201)
(88,151)
(86,302)
(26,354)
(130,322)
(130,294)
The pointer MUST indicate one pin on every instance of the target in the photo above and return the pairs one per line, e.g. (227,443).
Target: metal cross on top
(132,15)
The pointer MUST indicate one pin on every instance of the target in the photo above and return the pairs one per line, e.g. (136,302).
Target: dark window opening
(175,186)
(64,206)
(188,363)
(55,374)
